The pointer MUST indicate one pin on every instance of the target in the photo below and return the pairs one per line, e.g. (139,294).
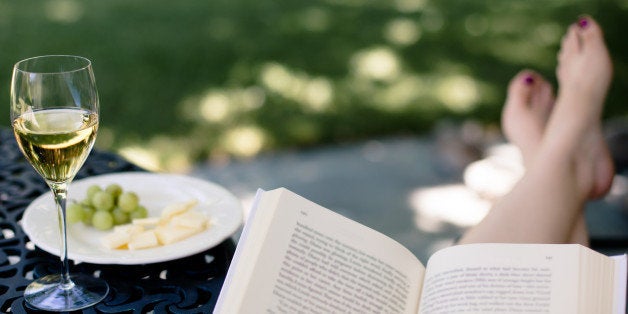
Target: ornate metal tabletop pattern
(187,285)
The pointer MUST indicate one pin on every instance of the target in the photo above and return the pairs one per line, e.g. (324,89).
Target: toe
(589,31)
(521,85)
(543,98)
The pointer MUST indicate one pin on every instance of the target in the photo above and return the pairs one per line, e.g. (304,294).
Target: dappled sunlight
(466,204)
(459,93)
(244,141)
(312,93)
(495,175)
(378,63)
(162,153)
(141,156)
(401,93)
(220,105)
(295,74)
(318,94)
(449,204)
(214,107)
(64,11)
(403,32)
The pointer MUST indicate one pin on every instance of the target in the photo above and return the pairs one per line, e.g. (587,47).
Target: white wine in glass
(54,112)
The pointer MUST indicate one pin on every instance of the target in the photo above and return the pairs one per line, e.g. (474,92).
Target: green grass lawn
(184,81)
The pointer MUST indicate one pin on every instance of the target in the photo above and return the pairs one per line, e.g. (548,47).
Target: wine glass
(54,113)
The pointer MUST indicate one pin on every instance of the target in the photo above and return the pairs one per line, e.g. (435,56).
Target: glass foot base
(47,293)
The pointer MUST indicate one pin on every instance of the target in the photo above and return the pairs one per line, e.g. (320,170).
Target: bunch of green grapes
(106,208)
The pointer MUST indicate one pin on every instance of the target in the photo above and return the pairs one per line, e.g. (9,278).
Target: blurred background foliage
(183,82)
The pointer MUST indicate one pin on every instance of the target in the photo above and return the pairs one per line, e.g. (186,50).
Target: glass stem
(60,192)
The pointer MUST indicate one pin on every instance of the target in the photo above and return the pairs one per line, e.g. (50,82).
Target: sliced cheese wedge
(176,209)
(115,240)
(171,234)
(147,222)
(143,240)
(190,219)
(130,229)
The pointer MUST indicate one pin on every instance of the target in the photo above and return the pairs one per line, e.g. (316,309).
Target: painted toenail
(583,22)
(529,80)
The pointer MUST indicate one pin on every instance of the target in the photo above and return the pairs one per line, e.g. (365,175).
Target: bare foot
(584,74)
(524,119)
(527,109)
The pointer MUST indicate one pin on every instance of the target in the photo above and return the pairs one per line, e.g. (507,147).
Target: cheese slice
(115,240)
(143,240)
(189,219)
(176,209)
(147,222)
(130,229)
(170,234)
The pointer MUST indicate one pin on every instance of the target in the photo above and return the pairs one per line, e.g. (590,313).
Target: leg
(571,163)
(526,113)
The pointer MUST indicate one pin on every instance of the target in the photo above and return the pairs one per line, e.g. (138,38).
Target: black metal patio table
(186,285)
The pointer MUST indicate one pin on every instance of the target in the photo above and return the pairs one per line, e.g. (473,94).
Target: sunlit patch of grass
(401,93)
(163,153)
(377,63)
(244,141)
(459,93)
(141,156)
(312,93)
(403,32)
(64,11)
(220,106)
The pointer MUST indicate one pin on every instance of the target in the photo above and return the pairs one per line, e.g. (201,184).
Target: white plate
(155,192)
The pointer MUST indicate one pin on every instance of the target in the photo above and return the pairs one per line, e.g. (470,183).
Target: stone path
(410,189)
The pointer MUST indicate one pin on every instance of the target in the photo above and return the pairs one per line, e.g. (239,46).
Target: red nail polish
(529,80)
(583,22)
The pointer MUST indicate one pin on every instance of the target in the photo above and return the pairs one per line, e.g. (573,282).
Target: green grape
(128,201)
(139,212)
(87,202)
(88,214)
(103,201)
(91,190)
(120,217)
(105,208)
(102,220)
(114,189)
(74,213)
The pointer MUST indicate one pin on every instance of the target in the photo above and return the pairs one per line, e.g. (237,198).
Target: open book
(295,256)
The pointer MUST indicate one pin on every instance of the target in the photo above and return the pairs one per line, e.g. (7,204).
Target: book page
(313,260)
(619,291)
(597,282)
(502,278)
